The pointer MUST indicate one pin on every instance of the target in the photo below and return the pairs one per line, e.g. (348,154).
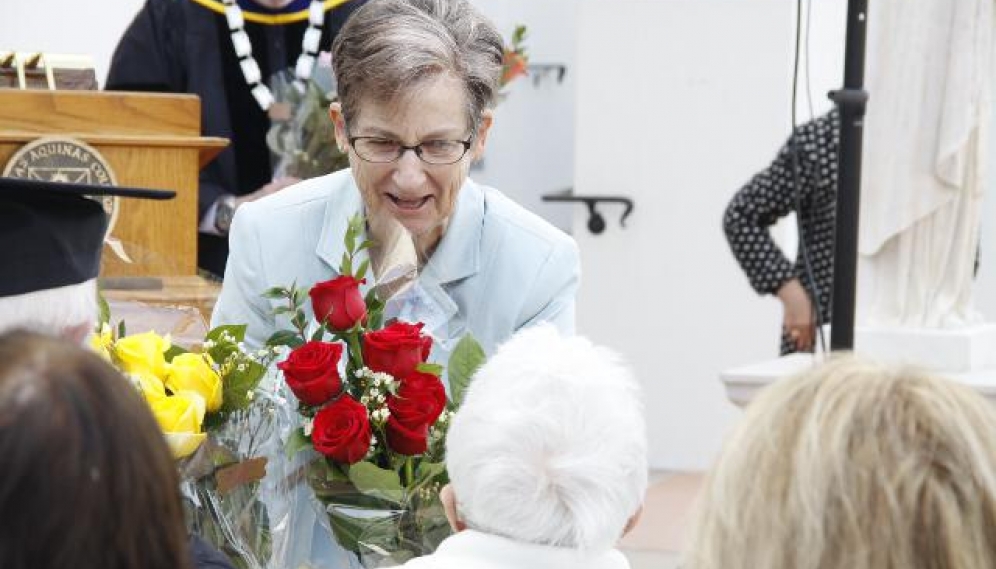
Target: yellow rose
(150,386)
(143,353)
(180,416)
(102,342)
(193,372)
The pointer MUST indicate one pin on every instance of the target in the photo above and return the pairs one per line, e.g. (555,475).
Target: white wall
(90,27)
(674,102)
(531,149)
(679,102)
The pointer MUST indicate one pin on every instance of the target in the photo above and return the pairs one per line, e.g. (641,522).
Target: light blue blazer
(498,267)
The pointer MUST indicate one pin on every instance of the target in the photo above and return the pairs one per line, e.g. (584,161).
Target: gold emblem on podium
(64,159)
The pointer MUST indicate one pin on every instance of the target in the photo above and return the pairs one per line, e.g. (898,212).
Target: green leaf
(299,321)
(223,348)
(236,331)
(121,329)
(238,384)
(464,361)
(434,369)
(377,482)
(276,292)
(346,268)
(104,316)
(173,351)
(365,245)
(297,442)
(362,271)
(429,472)
(319,334)
(350,240)
(284,338)
(283,310)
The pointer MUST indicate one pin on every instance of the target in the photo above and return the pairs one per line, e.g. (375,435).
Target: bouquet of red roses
(373,408)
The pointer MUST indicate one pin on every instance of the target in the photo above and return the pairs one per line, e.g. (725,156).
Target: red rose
(312,372)
(397,349)
(421,398)
(341,431)
(409,442)
(338,302)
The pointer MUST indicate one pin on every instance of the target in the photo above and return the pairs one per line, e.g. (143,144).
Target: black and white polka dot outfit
(771,195)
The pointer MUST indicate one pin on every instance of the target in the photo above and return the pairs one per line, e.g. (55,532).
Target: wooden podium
(149,141)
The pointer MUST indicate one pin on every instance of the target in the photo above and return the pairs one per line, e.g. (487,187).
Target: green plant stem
(355,350)
(409,472)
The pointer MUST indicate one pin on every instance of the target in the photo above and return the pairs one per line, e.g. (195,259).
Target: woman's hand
(798,314)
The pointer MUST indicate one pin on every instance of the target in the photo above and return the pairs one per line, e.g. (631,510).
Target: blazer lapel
(457,257)
(330,246)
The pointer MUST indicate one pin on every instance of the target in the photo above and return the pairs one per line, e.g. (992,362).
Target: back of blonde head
(854,466)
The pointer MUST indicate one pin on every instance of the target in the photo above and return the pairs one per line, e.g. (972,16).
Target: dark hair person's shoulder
(204,556)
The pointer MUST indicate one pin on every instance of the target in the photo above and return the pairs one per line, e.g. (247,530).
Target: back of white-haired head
(68,311)
(550,445)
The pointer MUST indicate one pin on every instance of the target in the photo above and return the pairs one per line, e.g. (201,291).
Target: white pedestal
(968,356)
(964,350)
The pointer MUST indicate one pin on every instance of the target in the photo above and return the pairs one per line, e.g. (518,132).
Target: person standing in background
(227,53)
(774,193)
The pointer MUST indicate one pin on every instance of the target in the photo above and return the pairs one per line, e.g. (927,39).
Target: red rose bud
(312,372)
(338,302)
(397,349)
(420,399)
(402,440)
(341,431)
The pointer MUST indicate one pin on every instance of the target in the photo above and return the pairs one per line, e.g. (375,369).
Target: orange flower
(514,66)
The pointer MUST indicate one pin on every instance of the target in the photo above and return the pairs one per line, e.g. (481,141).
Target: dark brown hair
(87,480)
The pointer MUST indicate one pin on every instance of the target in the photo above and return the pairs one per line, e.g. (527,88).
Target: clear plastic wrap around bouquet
(373,410)
(380,528)
(222,485)
(217,422)
(302,137)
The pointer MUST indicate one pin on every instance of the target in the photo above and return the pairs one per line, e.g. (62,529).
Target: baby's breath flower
(309,426)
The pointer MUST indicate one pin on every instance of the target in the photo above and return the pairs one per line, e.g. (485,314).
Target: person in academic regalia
(226,53)
(54,235)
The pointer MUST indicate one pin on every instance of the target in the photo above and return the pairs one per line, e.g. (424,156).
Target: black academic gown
(178,46)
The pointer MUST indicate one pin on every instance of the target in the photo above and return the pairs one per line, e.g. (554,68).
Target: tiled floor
(659,537)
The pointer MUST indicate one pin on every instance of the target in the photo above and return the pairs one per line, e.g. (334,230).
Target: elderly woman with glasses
(416,83)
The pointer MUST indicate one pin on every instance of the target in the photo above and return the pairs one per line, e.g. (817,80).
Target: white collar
(472,548)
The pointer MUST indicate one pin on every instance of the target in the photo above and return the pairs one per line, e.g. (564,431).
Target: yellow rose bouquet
(215,417)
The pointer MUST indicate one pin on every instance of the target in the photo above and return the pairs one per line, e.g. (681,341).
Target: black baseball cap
(51,233)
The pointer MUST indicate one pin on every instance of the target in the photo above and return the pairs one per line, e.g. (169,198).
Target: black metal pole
(851,101)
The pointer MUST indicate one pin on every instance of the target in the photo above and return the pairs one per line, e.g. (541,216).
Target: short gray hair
(388,47)
(550,444)
(51,311)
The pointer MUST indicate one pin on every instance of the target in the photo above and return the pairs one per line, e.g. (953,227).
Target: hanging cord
(794,150)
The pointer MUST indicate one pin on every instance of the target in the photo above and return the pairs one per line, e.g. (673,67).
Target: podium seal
(64,159)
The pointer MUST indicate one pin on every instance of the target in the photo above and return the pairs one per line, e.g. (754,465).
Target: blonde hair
(854,465)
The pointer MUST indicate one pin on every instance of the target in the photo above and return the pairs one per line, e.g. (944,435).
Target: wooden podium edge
(208,146)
